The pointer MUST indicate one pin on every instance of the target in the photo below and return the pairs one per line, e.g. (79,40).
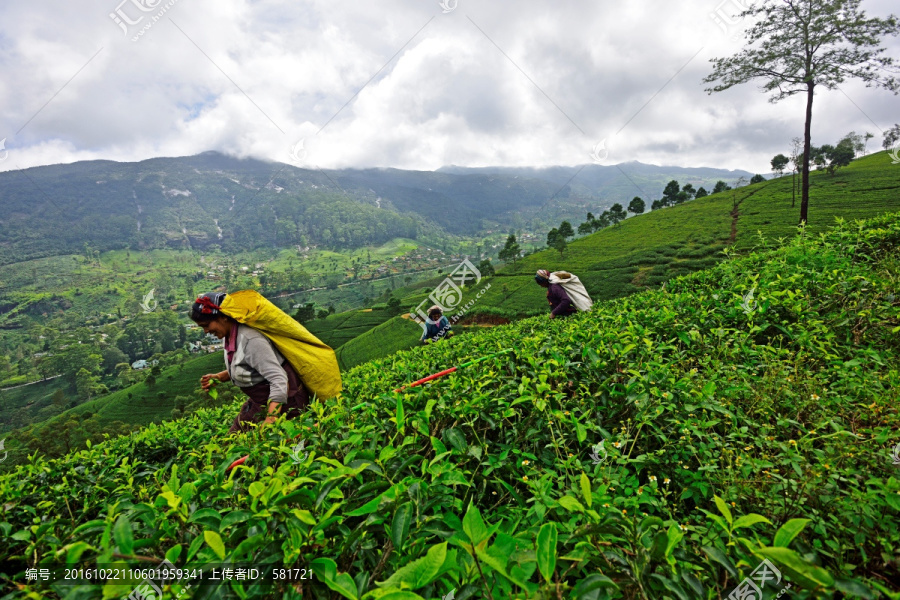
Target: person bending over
(253,364)
(436,326)
(561,304)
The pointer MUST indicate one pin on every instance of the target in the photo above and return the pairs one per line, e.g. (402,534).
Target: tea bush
(660,446)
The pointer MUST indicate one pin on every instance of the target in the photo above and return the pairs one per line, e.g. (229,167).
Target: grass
(391,336)
(22,406)
(137,405)
(340,328)
(866,188)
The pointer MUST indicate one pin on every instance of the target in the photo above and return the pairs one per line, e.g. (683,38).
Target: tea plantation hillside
(112,414)
(661,446)
(649,249)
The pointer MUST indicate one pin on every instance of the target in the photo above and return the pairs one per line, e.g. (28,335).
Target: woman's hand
(274,408)
(206,380)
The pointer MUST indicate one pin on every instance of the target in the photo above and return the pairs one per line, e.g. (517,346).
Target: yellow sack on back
(313,360)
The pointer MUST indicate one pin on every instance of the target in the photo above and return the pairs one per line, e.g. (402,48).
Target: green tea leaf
(123,535)
(234,517)
(546,550)
(456,439)
(401,415)
(795,562)
(672,586)
(591,583)
(586,490)
(400,526)
(256,489)
(372,505)
(326,570)
(401,595)
(215,542)
(419,572)
(852,587)
(787,532)
(74,552)
(173,553)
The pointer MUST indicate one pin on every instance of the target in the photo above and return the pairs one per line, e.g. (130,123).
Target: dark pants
(256,409)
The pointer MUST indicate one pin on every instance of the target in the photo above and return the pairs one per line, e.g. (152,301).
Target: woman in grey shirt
(254,365)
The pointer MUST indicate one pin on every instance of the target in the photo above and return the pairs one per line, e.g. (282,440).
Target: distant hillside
(211,200)
(614,183)
(647,250)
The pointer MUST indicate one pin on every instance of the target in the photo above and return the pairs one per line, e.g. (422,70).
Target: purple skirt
(256,409)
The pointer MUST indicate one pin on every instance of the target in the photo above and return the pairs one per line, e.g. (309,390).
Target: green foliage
(720,187)
(779,163)
(735,427)
(557,241)
(510,251)
(486,268)
(891,137)
(636,206)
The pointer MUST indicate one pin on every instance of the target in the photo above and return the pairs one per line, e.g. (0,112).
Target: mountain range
(239,204)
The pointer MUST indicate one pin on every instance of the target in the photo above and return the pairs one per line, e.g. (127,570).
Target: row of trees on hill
(825,157)
(672,195)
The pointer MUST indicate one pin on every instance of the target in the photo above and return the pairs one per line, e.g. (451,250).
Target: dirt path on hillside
(735,213)
(734,219)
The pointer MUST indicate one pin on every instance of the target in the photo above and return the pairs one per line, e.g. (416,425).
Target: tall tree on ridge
(797,45)
(779,162)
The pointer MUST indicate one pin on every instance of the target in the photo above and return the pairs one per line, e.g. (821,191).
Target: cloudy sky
(412,84)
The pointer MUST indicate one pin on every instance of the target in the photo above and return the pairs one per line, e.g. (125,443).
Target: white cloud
(509,83)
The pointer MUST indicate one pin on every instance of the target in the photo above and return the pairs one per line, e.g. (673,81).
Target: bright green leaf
(123,535)
(420,572)
(546,550)
(795,562)
(326,571)
(401,415)
(215,542)
(723,508)
(748,520)
(400,526)
(571,504)
(586,490)
(786,534)
(257,488)
(474,527)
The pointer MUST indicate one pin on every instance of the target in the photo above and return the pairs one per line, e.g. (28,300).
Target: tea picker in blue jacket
(436,326)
